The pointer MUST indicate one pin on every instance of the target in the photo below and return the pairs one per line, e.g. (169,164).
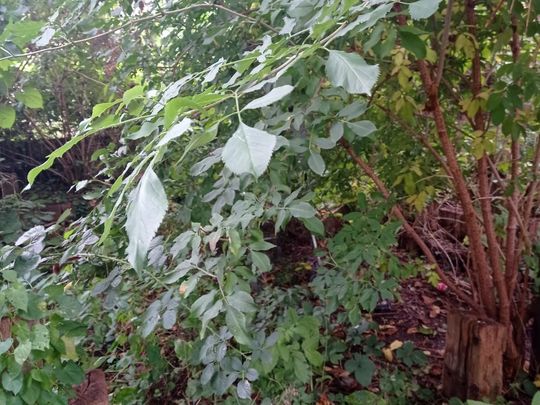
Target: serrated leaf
(351,71)
(30,97)
(274,95)
(7,116)
(248,150)
(145,212)
(423,8)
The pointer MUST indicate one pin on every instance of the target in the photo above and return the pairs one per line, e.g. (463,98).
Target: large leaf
(145,212)
(30,97)
(248,151)
(275,95)
(7,116)
(351,72)
(423,8)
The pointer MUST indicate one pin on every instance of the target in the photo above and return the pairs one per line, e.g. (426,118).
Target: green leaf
(7,116)
(145,212)
(202,303)
(350,71)
(18,297)
(248,150)
(423,8)
(413,43)
(132,94)
(99,109)
(362,367)
(362,128)
(536,399)
(236,322)
(314,225)
(316,163)
(243,389)
(242,301)
(261,261)
(302,209)
(30,97)
(12,383)
(274,95)
(40,337)
(176,131)
(70,374)
(22,351)
(5,345)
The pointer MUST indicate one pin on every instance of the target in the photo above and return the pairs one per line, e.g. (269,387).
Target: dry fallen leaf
(434,311)
(388,354)
(396,344)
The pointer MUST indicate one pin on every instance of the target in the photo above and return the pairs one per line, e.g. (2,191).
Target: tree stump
(473,360)
(92,391)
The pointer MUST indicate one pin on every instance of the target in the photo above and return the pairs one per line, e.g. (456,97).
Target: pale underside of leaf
(248,150)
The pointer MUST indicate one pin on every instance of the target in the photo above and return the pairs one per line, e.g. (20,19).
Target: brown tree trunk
(473,362)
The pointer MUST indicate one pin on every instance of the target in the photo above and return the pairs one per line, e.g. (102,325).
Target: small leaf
(22,351)
(242,301)
(261,261)
(5,345)
(302,209)
(423,8)
(248,150)
(236,322)
(145,212)
(274,95)
(362,128)
(243,389)
(7,116)
(40,337)
(314,225)
(70,374)
(350,71)
(18,297)
(413,43)
(316,163)
(30,97)
(176,131)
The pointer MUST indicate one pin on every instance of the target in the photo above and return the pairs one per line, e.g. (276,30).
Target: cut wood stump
(92,391)
(473,361)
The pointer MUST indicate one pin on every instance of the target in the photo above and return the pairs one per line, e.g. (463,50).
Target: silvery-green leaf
(248,150)
(350,71)
(336,131)
(145,212)
(243,389)
(22,351)
(302,209)
(288,25)
(45,37)
(362,128)
(316,163)
(274,95)
(5,345)
(423,8)
(176,131)
(367,20)
(213,71)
